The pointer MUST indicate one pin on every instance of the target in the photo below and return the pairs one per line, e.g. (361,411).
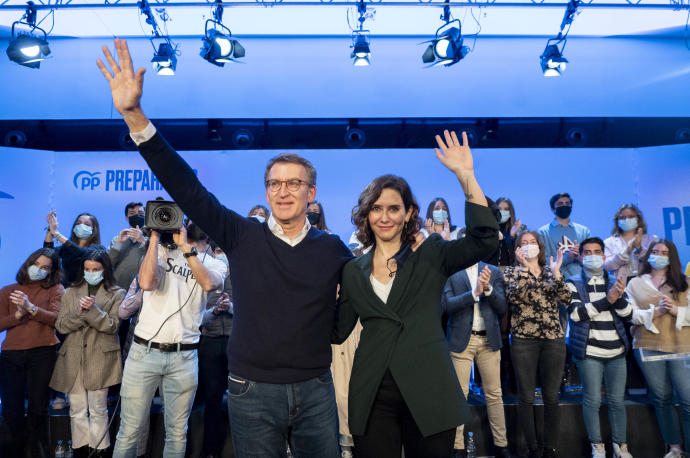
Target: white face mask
(593,262)
(505,216)
(530,251)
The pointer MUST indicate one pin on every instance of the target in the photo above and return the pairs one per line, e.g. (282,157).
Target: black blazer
(404,334)
(458,304)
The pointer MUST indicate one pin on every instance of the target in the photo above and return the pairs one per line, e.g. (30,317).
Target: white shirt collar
(278,231)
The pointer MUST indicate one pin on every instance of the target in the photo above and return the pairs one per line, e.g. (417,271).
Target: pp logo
(86,180)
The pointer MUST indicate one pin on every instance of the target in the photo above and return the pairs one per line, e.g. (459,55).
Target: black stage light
(552,61)
(164,60)
(361,53)
(219,48)
(25,48)
(447,48)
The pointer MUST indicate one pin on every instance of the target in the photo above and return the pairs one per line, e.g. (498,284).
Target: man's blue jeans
(663,377)
(613,373)
(264,417)
(146,369)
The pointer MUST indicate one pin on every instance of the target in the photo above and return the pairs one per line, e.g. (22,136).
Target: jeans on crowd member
(264,416)
(663,377)
(213,378)
(146,369)
(548,357)
(613,373)
(391,428)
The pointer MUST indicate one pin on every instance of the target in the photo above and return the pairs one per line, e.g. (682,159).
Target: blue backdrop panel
(34,182)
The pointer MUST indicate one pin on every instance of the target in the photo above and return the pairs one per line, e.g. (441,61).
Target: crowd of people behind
(527,288)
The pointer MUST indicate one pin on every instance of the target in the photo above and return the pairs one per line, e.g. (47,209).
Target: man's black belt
(478,333)
(168,347)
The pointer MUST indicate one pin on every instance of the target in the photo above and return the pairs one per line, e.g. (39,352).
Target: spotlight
(164,60)
(218,47)
(165,57)
(361,53)
(25,48)
(447,48)
(552,61)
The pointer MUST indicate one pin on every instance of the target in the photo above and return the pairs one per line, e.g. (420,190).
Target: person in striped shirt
(597,312)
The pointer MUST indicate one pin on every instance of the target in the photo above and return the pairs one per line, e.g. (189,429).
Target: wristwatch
(33,309)
(193,252)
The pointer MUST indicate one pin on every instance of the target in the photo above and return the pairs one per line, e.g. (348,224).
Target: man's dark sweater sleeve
(177,177)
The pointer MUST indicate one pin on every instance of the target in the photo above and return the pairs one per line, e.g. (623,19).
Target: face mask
(314,217)
(93,278)
(593,262)
(530,251)
(627,224)
(658,262)
(259,218)
(440,216)
(136,220)
(36,273)
(223,258)
(82,231)
(563,211)
(505,216)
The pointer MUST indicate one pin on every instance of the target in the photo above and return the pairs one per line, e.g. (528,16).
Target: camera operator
(176,280)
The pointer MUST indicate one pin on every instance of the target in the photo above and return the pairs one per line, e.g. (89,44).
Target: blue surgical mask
(658,262)
(505,216)
(36,273)
(93,278)
(223,258)
(440,216)
(627,224)
(82,231)
(259,218)
(593,262)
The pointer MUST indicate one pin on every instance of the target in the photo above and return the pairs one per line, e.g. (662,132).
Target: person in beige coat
(89,360)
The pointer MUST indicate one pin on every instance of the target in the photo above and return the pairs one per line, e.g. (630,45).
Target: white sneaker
(674,453)
(598,450)
(621,451)
(346,453)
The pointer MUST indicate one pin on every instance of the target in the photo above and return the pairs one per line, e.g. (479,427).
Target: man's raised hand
(126,86)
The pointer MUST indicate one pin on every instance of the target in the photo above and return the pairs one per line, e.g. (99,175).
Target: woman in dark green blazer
(403,390)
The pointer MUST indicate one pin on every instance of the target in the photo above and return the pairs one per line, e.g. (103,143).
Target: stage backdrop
(32,183)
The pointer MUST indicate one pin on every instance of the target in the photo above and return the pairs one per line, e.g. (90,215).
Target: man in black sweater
(284,279)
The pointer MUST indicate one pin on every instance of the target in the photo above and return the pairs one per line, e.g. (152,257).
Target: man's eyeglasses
(292,185)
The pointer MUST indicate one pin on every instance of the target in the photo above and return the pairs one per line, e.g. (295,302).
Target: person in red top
(28,310)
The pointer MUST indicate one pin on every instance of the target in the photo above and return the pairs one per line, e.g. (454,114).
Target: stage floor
(644,436)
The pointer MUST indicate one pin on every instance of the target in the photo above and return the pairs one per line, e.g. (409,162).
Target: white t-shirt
(177,286)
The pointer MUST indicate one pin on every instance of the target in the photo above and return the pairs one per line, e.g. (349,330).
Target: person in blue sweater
(285,275)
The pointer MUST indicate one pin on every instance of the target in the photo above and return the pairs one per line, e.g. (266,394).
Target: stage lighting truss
(219,47)
(26,48)
(447,47)
(164,60)
(552,61)
(361,51)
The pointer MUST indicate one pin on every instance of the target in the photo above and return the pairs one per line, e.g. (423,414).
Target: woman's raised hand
(455,155)
(52,222)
